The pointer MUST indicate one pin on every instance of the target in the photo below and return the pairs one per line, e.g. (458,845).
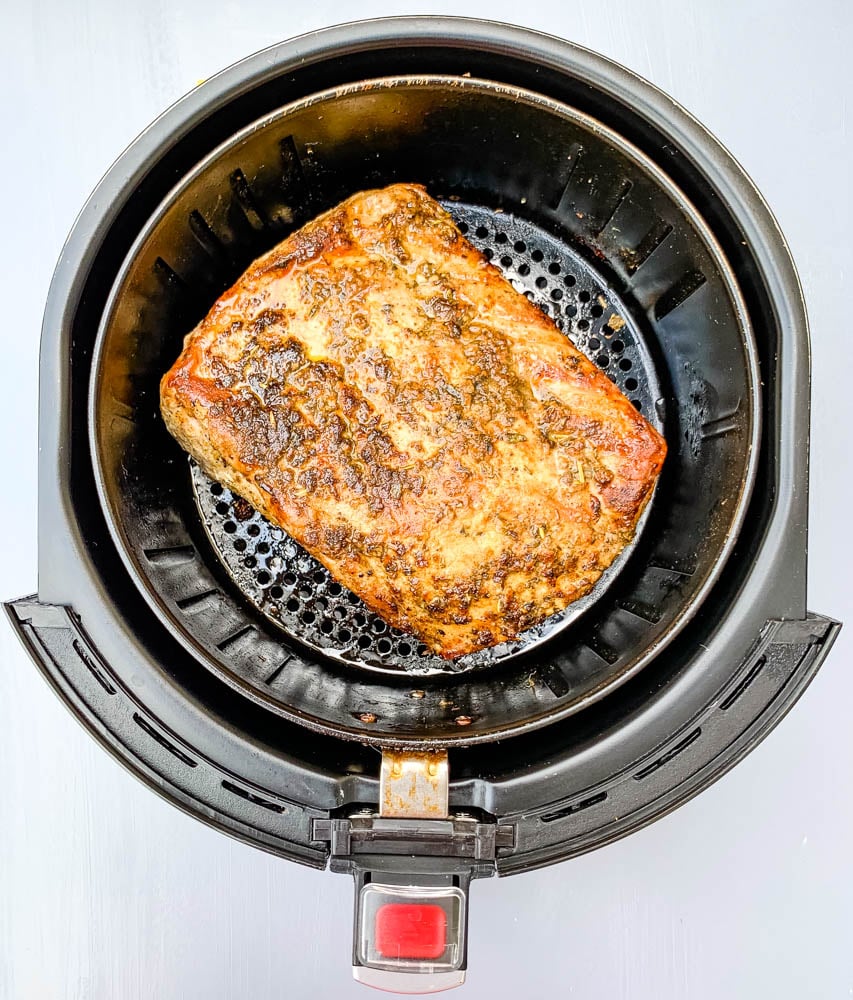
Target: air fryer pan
(584,224)
(173,658)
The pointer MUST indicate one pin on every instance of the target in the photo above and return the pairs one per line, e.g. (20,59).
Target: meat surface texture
(374,386)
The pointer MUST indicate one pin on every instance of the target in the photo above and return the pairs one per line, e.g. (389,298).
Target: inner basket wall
(463,141)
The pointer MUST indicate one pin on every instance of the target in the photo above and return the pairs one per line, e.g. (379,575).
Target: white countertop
(108,893)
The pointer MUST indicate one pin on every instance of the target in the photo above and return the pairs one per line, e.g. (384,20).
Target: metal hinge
(414,784)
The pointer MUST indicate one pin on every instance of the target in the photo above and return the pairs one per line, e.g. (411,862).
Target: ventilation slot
(601,649)
(575,807)
(194,600)
(634,259)
(168,275)
(229,640)
(624,191)
(172,555)
(668,756)
(678,566)
(725,423)
(207,238)
(251,797)
(161,739)
(291,165)
(272,677)
(680,292)
(554,679)
(246,200)
(94,669)
(575,155)
(640,610)
(753,672)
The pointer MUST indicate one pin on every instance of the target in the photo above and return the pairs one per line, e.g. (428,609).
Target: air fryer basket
(222,667)
(590,229)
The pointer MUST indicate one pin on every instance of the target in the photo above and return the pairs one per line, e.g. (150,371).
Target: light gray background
(746,892)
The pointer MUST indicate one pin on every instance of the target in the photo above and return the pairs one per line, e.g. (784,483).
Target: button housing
(418,929)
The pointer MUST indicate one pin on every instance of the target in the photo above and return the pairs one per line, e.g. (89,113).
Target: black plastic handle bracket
(169,762)
(759,692)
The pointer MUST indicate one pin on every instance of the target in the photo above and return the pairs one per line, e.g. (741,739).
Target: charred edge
(206,237)
(251,797)
(229,640)
(93,668)
(158,737)
(563,199)
(575,807)
(686,285)
(669,755)
(246,200)
(753,672)
(624,191)
(634,259)
(170,555)
(194,600)
(274,675)
(640,610)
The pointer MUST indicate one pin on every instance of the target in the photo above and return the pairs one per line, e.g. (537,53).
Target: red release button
(410,930)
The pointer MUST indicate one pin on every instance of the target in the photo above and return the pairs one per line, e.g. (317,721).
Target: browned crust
(378,389)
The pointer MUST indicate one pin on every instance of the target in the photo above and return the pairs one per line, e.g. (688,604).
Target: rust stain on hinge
(413,784)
